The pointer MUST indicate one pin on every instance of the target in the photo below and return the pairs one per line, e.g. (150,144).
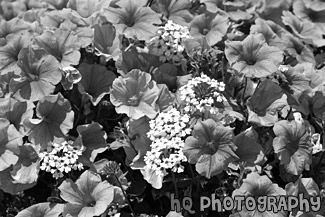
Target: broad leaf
(132,59)
(264,105)
(40,72)
(92,138)
(62,44)
(249,150)
(55,119)
(104,36)
(96,81)
(175,10)
(42,209)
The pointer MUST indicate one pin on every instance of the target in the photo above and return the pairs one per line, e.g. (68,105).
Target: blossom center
(205,31)
(133,101)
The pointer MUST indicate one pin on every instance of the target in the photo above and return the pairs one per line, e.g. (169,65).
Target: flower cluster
(166,132)
(203,94)
(61,159)
(168,42)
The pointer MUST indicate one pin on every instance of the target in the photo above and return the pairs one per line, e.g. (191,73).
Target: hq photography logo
(249,203)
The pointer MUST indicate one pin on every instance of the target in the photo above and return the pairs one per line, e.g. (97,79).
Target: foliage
(111,107)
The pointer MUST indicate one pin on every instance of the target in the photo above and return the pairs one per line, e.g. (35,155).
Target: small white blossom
(61,159)
(168,42)
(166,133)
(202,94)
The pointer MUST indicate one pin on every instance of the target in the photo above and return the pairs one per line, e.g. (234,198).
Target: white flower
(62,158)
(168,42)
(202,94)
(166,132)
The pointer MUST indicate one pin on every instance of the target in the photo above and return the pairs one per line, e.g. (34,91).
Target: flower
(209,27)
(70,77)
(253,57)
(316,5)
(315,15)
(292,145)
(202,94)
(89,196)
(166,132)
(168,43)
(258,186)
(61,159)
(211,147)
(133,19)
(135,95)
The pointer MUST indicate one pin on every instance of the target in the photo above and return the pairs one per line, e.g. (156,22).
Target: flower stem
(126,198)
(175,184)
(244,91)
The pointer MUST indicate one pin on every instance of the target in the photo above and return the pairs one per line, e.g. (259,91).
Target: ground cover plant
(117,107)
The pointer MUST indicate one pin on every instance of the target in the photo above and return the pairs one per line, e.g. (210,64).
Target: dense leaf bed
(114,107)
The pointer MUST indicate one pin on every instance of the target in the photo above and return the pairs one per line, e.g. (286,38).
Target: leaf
(133,19)
(62,44)
(104,36)
(264,105)
(10,140)
(140,145)
(166,74)
(165,99)
(132,59)
(55,119)
(175,10)
(42,209)
(25,171)
(210,148)
(253,57)
(92,138)
(15,111)
(293,146)
(40,74)
(96,81)
(249,150)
